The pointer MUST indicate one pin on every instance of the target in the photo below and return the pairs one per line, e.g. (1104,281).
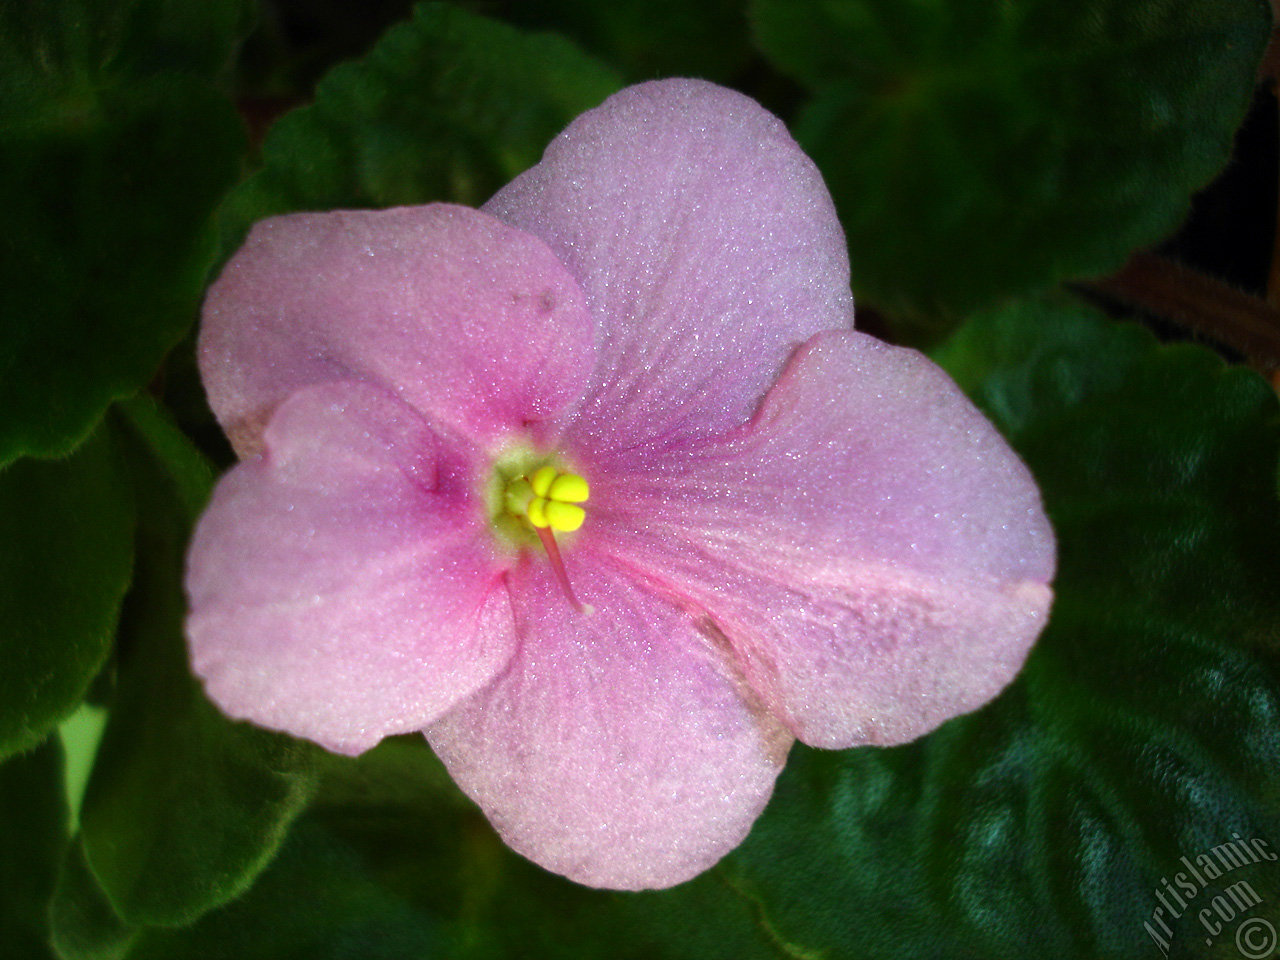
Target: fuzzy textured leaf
(649,38)
(985,149)
(115,146)
(447,107)
(391,856)
(184,807)
(66,530)
(33,835)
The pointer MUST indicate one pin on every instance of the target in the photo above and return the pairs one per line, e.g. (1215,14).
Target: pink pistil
(557,564)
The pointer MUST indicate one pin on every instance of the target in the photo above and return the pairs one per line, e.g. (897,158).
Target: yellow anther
(548,499)
(521,499)
(542,479)
(537,512)
(563,516)
(568,488)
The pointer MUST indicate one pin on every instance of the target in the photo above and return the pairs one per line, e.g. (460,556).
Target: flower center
(541,500)
(549,498)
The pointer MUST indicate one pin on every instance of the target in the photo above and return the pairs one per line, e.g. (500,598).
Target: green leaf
(649,38)
(66,555)
(184,807)
(177,35)
(1143,727)
(114,149)
(985,149)
(84,924)
(392,857)
(447,107)
(187,475)
(410,828)
(33,835)
(314,902)
(80,734)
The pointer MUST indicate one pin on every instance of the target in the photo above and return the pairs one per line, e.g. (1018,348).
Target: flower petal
(341,589)
(708,248)
(474,323)
(872,549)
(616,749)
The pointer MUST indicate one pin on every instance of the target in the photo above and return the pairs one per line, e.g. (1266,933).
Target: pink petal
(875,553)
(708,248)
(342,584)
(474,323)
(615,750)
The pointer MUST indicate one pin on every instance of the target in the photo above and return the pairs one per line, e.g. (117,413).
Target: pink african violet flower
(793,530)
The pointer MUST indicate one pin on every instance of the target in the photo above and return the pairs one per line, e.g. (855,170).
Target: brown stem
(1269,69)
(1217,310)
(1273,274)
(259,113)
(1269,73)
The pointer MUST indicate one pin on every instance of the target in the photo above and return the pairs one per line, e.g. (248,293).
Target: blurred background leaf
(115,146)
(391,862)
(988,149)
(447,107)
(66,558)
(30,795)
(644,38)
(84,925)
(184,807)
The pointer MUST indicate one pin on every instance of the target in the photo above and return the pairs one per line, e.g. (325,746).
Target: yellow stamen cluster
(549,498)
